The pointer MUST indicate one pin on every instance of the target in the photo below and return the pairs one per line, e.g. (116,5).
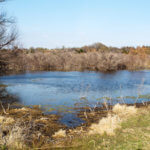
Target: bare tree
(8,33)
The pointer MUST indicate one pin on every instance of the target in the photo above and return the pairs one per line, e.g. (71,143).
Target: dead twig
(3,109)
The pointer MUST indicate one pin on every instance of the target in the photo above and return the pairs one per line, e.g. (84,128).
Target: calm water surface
(60,91)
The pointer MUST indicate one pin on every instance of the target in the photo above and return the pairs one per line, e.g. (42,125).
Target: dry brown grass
(113,121)
(6,120)
(15,139)
(11,133)
(106,125)
(59,134)
(124,111)
(27,128)
(33,132)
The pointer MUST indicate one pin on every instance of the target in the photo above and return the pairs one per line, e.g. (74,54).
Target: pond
(61,92)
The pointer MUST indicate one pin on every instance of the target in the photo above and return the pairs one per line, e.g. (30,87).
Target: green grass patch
(134,135)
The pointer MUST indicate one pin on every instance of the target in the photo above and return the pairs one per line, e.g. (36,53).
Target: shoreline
(37,127)
(32,126)
(10,102)
(7,73)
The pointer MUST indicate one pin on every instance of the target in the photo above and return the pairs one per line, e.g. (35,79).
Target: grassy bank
(124,127)
(132,133)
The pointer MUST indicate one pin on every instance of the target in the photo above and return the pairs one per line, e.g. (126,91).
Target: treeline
(96,47)
(96,57)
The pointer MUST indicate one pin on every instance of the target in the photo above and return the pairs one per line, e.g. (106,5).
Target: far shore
(96,57)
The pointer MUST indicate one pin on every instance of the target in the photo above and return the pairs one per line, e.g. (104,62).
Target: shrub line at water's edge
(92,58)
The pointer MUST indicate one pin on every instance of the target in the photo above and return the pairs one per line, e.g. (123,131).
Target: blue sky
(69,23)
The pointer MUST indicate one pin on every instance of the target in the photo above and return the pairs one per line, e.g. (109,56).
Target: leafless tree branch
(8,33)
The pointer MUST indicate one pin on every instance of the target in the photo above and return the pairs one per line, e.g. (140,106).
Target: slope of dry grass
(126,127)
(132,132)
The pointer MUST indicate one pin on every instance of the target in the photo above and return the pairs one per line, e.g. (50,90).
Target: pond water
(59,92)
